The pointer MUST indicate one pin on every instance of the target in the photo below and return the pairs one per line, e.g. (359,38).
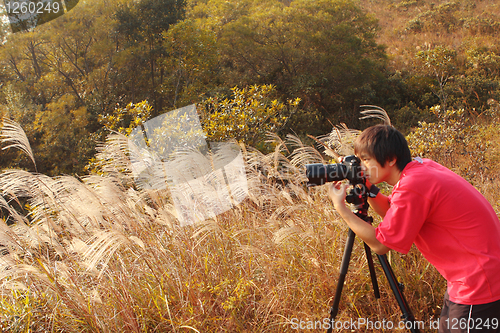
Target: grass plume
(14,136)
(100,254)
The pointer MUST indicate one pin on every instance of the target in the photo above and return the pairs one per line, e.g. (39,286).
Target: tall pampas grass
(14,136)
(100,253)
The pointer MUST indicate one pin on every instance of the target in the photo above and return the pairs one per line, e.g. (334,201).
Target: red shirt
(452,224)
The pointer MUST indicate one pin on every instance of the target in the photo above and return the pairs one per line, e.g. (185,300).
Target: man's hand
(337,193)
(364,230)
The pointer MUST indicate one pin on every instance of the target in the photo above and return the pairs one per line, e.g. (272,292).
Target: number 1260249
(32,7)
(477,323)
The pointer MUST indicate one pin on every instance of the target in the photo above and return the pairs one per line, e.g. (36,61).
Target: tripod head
(357,196)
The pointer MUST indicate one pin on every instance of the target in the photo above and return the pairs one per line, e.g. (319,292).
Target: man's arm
(362,229)
(380,204)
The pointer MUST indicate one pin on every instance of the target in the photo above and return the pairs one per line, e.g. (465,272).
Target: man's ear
(391,162)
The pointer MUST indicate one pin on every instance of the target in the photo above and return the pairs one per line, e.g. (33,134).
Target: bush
(467,145)
(247,116)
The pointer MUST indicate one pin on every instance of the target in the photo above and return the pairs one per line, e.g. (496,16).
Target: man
(447,219)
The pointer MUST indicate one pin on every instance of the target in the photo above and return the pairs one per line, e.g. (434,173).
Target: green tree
(65,144)
(480,80)
(322,51)
(440,63)
(65,66)
(191,67)
(143,24)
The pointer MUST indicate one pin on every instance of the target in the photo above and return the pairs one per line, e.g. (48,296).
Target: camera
(349,168)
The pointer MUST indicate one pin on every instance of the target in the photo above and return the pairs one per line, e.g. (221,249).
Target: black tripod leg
(412,325)
(371,268)
(343,272)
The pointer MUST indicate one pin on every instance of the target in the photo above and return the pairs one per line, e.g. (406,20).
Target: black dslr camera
(349,168)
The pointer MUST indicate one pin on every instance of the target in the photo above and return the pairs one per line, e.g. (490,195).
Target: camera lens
(320,174)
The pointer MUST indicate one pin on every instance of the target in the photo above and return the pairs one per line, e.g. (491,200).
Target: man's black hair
(384,142)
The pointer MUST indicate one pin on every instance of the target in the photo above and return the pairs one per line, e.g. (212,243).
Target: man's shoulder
(424,167)
(424,175)
(418,169)
(428,177)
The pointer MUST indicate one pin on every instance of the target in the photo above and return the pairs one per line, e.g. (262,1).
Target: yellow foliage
(247,116)
(437,138)
(466,145)
(124,120)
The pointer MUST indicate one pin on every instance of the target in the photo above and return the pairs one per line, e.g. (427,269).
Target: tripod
(358,197)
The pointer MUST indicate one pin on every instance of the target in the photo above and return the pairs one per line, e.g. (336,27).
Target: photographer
(447,219)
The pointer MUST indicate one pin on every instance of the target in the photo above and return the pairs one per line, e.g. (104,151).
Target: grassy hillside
(410,26)
(99,253)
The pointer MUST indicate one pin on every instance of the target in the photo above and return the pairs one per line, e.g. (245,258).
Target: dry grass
(98,254)
(465,25)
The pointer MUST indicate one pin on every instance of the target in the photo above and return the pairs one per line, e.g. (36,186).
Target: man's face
(372,169)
